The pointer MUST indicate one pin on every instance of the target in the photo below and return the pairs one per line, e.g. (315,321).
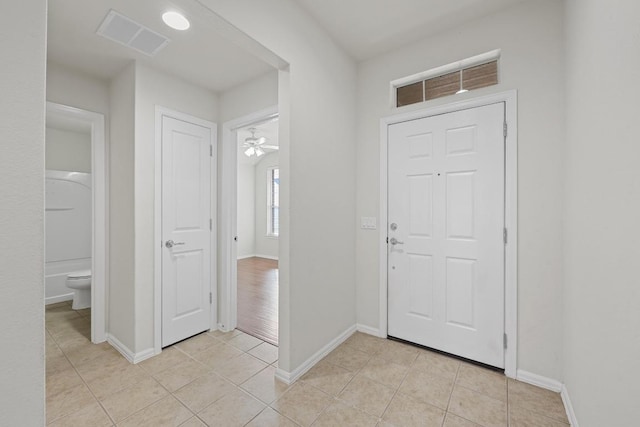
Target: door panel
(421,285)
(186,212)
(420,199)
(446,195)
(460,215)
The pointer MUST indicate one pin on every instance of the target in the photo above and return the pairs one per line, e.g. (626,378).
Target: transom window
(458,77)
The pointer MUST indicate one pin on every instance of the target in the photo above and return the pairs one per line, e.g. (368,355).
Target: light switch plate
(368,222)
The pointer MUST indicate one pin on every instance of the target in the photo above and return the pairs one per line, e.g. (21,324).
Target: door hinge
(210,298)
(387,240)
(211,151)
(504,235)
(210,224)
(504,129)
(505,340)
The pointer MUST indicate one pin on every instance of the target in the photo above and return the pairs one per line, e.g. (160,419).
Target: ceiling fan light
(249,152)
(259,151)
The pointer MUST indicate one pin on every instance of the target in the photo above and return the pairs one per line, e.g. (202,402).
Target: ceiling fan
(254,146)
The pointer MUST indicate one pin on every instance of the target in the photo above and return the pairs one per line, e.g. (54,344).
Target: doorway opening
(257,219)
(75,218)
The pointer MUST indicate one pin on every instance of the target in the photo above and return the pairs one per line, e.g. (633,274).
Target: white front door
(186,229)
(446,224)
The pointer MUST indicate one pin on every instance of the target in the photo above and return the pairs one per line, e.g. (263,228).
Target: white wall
(155,88)
(255,95)
(317,292)
(602,292)
(134,96)
(266,246)
(121,291)
(246,210)
(71,87)
(67,150)
(532,63)
(22,122)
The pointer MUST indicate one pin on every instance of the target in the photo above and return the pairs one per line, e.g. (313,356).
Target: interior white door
(446,224)
(186,229)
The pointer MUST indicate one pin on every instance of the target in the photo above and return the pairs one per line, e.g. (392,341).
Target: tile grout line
(346,403)
(397,390)
(377,382)
(335,398)
(508,405)
(453,386)
(212,370)
(83,382)
(170,393)
(133,385)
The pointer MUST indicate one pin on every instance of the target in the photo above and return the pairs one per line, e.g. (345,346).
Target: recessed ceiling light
(176,20)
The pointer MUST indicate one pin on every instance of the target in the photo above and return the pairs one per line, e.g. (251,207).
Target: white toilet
(80,282)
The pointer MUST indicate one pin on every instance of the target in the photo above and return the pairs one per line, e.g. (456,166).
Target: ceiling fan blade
(273,147)
(261,140)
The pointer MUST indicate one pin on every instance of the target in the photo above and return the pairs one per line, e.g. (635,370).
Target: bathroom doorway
(75,218)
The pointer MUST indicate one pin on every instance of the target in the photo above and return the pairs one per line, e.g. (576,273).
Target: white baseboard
(539,380)
(368,330)
(58,298)
(122,349)
(553,385)
(246,256)
(144,355)
(127,353)
(291,377)
(220,328)
(568,406)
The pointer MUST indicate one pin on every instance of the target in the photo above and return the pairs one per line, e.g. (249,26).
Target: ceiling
(366,28)
(268,129)
(200,55)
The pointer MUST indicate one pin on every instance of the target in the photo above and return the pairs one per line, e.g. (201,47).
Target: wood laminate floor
(258,298)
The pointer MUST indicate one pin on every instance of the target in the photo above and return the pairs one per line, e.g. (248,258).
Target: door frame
(99,213)
(229,214)
(157,285)
(510,98)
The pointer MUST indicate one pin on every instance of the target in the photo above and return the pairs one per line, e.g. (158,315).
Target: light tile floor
(217,379)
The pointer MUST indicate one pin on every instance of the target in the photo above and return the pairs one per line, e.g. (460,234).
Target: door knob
(395,241)
(171,243)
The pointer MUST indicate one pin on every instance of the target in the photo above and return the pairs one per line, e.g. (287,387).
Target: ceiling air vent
(129,33)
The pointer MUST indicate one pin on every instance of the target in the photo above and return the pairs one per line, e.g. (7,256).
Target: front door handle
(171,243)
(395,241)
